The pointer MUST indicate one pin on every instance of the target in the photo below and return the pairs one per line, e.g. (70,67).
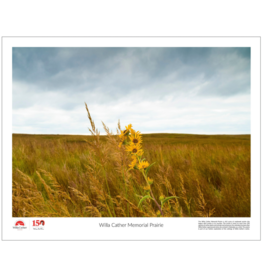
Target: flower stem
(158,206)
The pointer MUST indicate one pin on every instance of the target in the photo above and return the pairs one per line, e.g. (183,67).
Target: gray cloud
(48,80)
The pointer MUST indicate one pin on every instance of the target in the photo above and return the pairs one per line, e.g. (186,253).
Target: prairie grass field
(88,176)
(82,176)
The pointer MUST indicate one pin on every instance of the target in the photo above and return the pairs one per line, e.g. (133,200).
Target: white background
(131,18)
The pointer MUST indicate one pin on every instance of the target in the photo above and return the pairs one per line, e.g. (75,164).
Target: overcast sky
(158,90)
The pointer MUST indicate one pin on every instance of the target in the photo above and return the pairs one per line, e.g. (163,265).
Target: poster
(187,106)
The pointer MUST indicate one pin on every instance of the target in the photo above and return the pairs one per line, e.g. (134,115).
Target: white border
(88,228)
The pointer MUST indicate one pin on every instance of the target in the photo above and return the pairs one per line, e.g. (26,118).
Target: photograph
(131,132)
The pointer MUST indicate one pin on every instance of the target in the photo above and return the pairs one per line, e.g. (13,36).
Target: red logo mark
(19,223)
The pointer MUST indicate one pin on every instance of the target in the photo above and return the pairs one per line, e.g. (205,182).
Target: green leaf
(167,198)
(147,169)
(144,198)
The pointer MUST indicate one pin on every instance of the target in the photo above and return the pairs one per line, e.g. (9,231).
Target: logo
(20,222)
(38,224)
(19,225)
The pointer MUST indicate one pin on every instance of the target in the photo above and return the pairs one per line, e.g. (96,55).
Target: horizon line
(141,133)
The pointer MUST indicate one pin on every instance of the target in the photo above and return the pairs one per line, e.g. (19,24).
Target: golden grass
(88,176)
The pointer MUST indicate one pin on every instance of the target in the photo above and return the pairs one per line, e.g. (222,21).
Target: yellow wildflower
(150,180)
(129,127)
(134,149)
(147,188)
(143,165)
(124,134)
(136,138)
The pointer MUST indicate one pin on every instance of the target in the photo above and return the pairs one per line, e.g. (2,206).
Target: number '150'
(38,222)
